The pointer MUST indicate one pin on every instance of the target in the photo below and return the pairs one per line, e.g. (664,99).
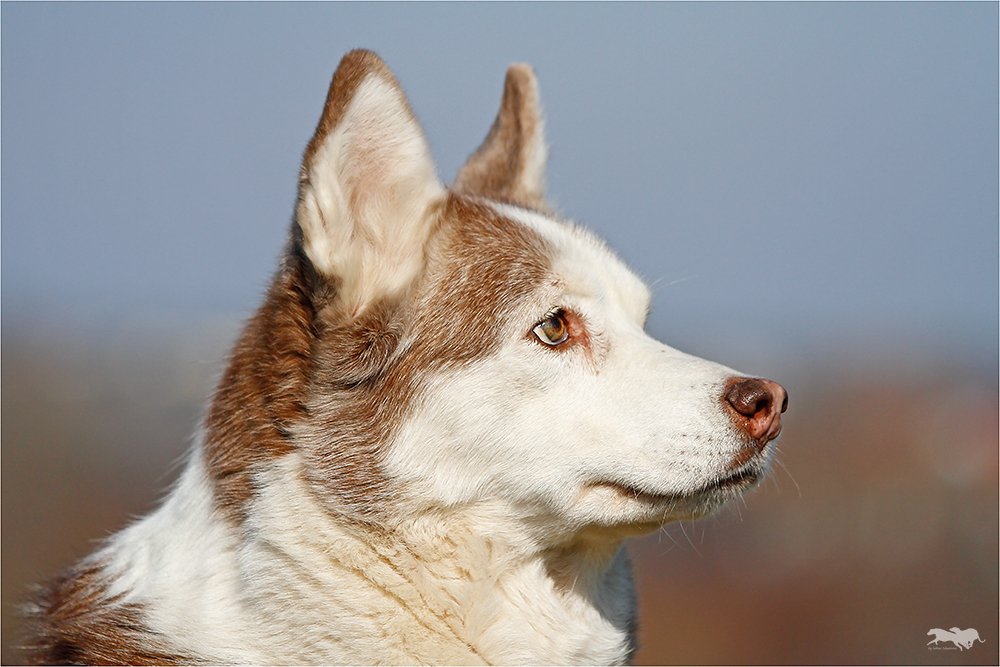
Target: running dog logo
(963,639)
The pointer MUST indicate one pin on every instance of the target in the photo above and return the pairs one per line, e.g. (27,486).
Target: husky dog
(433,437)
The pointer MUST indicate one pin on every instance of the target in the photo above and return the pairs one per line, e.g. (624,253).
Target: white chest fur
(299,586)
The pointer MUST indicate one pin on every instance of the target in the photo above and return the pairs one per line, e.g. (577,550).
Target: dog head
(432,350)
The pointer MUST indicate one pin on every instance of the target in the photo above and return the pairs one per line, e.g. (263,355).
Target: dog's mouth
(742,479)
(731,484)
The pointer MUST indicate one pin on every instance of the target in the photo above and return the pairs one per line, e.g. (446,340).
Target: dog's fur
(433,437)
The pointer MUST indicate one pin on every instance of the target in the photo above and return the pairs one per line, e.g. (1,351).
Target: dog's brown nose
(758,405)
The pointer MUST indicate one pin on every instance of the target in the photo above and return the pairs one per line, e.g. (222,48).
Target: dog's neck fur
(301,587)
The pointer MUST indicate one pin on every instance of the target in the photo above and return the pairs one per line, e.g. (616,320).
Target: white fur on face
(624,433)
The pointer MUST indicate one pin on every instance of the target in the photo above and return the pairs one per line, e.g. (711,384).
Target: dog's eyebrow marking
(581,248)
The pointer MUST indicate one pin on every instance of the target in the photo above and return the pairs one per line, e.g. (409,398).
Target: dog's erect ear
(367,186)
(510,165)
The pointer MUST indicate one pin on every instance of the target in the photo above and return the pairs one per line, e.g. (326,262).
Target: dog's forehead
(583,262)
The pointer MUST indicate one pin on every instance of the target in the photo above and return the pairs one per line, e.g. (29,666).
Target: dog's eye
(552,330)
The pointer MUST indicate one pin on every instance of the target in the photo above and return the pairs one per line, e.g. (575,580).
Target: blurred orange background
(878,523)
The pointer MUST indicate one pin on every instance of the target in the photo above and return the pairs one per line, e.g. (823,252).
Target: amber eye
(552,330)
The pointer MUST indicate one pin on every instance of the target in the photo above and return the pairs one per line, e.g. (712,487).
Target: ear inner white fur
(367,187)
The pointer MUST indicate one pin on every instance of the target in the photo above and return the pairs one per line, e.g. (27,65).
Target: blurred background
(812,189)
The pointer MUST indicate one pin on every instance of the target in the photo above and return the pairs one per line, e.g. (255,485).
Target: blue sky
(792,177)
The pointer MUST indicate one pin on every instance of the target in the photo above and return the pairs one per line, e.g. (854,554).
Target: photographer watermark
(962,639)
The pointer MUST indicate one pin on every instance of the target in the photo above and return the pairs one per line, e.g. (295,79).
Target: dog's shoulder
(75,619)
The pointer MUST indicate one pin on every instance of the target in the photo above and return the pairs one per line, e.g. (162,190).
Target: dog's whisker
(788,472)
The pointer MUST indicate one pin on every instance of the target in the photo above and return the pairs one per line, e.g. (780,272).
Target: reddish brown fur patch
(495,170)
(262,391)
(480,265)
(74,620)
